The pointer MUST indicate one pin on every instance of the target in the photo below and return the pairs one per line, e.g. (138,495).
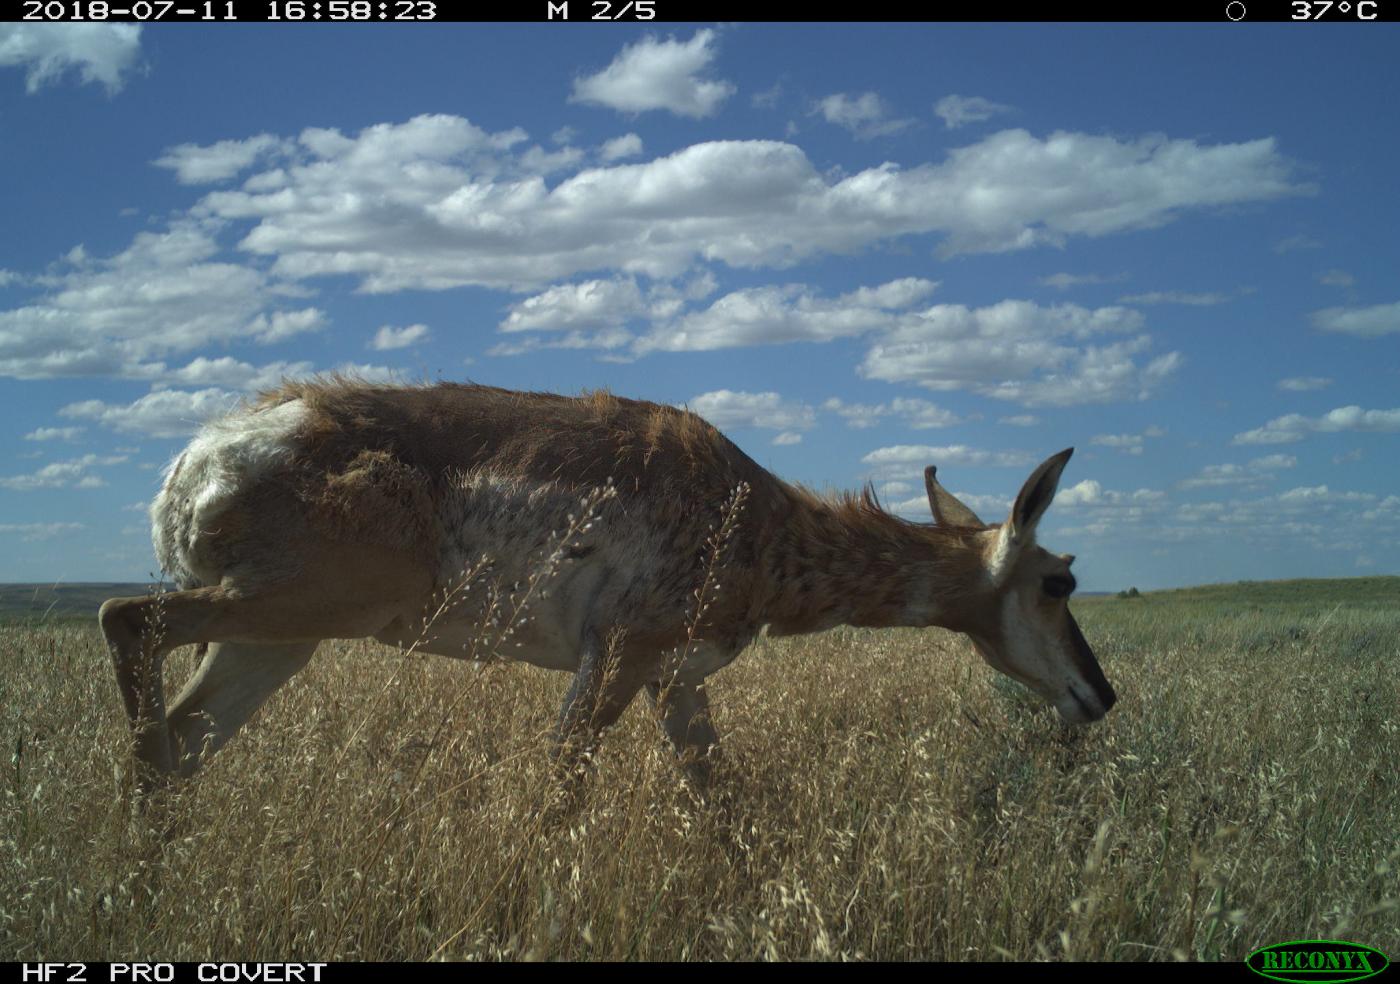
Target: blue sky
(858,249)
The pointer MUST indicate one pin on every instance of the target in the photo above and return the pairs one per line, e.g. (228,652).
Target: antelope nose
(1108,697)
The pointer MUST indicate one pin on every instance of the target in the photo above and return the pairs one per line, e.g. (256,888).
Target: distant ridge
(82,599)
(1380,591)
(49,600)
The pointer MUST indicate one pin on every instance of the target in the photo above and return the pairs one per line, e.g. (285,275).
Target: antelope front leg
(684,709)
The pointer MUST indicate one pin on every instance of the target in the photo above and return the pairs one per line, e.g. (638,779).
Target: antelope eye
(1059,587)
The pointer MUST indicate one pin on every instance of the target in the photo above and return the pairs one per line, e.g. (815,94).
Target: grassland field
(884,796)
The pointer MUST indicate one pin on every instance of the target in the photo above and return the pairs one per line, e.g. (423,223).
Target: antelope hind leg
(684,709)
(600,692)
(231,683)
(141,631)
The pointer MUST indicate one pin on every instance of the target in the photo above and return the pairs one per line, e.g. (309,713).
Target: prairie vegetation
(886,797)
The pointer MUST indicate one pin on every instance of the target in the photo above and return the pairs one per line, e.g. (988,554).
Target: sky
(857,249)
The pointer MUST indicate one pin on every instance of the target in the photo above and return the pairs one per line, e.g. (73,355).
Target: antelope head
(1019,619)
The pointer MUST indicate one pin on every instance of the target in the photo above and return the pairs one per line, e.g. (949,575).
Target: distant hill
(1365,592)
(62,600)
(82,600)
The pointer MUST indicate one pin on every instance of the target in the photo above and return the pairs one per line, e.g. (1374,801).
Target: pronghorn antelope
(332,509)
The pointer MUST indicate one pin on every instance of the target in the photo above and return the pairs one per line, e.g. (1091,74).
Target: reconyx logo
(1317,961)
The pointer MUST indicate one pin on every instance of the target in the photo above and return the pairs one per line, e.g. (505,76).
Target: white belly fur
(548,633)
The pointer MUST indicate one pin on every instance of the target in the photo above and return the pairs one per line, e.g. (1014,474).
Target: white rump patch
(225,456)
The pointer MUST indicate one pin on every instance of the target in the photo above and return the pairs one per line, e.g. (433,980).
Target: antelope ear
(1035,497)
(947,510)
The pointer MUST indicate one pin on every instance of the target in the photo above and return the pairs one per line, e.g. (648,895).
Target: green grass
(1353,592)
(890,798)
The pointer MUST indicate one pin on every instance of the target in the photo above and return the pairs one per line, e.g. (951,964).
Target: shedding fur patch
(379,499)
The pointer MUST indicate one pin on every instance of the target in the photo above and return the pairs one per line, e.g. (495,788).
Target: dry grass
(890,799)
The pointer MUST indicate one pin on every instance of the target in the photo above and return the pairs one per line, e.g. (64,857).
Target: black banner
(174,973)
(337,973)
(1302,12)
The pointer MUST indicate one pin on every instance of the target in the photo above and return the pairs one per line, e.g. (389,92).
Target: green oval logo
(1317,961)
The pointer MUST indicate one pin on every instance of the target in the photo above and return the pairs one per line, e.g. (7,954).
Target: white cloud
(726,408)
(75,472)
(1176,297)
(165,413)
(1126,443)
(655,74)
(1303,384)
(164,294)
(1336,278)
(283,325)
(792,313)
(217,162)
(857,415)
(1255,472)
(536,160)
(1021,420)
(918,414)
(1096,511)
(103,53)
(916,508)
(1090,493)
(1364,322)
(1300,241)
(788,437)
(768,98)
(1317,517)
(608,339)
(905,460)
(436,203)
(1321,493)
(988,507)
(1294,426)
(1015,350)
(588,305)
(55,434)
(388,337)
(1021,351)
(39,531)
(616,149)
(232,373)
(865,115)
(369,373)
(894,295)
(956,111)
(1064,281)
(1085,492)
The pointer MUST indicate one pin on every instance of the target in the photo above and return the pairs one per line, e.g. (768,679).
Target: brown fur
(345,533)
